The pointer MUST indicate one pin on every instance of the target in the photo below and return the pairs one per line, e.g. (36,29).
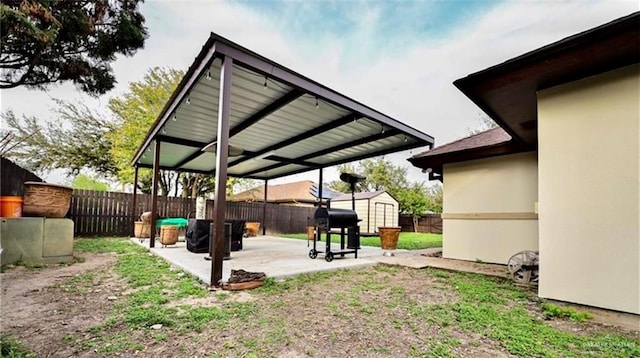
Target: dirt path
(374,312)
(31,306)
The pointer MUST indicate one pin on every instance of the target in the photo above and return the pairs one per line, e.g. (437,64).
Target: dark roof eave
(507,91)
(436,162)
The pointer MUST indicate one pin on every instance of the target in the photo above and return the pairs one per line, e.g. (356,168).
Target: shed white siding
(380,210)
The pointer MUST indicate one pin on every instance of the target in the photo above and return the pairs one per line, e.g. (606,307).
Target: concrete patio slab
(417,259)
(281,257)
(275,256)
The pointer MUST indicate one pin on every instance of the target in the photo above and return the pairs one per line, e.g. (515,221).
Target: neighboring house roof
(302,191)
(508,92)
(326,192)
(359,196)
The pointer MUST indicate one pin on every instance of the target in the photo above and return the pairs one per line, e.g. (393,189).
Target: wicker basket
(311,232)
(142,230)
(253,228)
(146,217)
(44,199)
(168,235)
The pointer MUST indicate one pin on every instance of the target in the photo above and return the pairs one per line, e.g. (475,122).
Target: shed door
(383,215)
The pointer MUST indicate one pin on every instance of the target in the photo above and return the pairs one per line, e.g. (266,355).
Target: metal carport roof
(264,121)
(281,122)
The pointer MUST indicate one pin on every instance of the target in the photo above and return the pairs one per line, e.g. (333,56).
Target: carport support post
(222,150)
(320,189)
(154,195)
(264,208)
(317,230)
(135,200)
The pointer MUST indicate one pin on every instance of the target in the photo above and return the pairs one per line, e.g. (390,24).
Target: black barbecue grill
(326,219)
(335,218)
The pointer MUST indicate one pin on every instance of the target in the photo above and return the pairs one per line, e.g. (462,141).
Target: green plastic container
(179,222)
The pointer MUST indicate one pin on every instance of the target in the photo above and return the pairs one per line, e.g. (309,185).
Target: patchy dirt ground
(349,317)
(39,311)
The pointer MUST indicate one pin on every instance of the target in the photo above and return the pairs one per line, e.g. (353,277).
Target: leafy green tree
(139,108)
(434,198)
(380,174)
(134,112)
(83,181)
(47,41)
(484,123)
(77,138)
(238,185)
(413,201)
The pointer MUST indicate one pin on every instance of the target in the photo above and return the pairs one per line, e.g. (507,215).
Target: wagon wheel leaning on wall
(523,267)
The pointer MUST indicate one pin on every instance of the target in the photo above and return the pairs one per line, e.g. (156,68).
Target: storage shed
(374,208)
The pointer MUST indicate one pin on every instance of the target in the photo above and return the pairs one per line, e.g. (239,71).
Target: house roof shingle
(302,191)
(485,144)
(487,138)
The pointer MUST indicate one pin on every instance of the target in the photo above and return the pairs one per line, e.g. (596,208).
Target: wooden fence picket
(111,214)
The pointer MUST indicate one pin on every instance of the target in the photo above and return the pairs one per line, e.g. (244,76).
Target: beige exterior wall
(488,208)
(373,215)
(589,191)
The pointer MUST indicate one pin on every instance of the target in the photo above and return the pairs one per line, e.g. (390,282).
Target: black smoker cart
(327,219)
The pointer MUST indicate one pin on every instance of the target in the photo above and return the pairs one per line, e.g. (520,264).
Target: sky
(398,57)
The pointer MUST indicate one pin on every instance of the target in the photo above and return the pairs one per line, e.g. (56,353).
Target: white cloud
(413,83)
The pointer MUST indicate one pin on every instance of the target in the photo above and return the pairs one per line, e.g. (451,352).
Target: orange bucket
(10,206)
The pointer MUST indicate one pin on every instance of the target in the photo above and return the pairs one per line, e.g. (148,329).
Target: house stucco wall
(488,208)
(589,191)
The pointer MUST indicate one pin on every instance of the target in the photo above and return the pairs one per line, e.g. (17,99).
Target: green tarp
(179,222)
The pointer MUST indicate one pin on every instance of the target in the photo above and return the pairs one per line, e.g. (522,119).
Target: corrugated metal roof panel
(290,125)
(205,162)
(280,171)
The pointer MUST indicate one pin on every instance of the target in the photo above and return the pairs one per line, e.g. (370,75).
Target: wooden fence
(13,178)
(426,223)
(110,214)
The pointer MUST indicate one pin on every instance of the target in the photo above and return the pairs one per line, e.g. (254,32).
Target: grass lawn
(407,240)
(381,311)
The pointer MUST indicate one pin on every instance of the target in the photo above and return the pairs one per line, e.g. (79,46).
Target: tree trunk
(163,189)
(194,188)
(415,223)
(177,181)
(185,186)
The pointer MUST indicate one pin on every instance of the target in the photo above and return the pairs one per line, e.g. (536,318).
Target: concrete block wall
(36,241)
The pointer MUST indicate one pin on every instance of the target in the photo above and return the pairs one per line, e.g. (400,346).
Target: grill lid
(335,217)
